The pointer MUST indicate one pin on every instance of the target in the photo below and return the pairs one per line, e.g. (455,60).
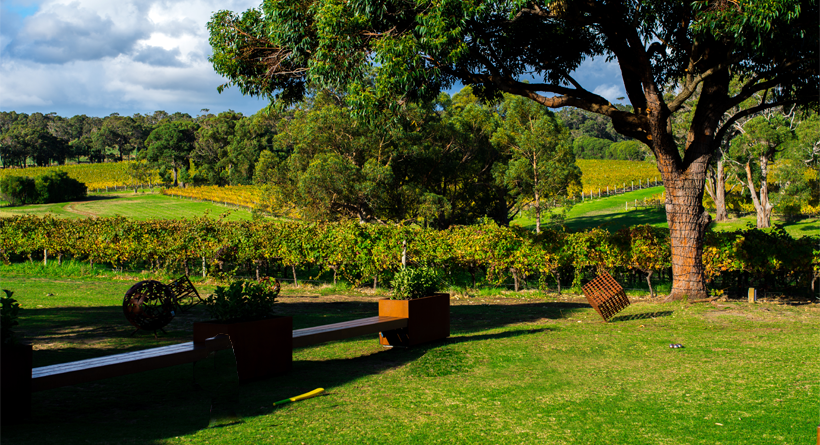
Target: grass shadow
(617,221)
(641,316)
(173,404)
(92,198)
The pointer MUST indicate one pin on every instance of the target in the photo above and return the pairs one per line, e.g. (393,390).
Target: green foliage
(18,190)
(415,282)
(9,313)
(587,147)
(542,168)
(169,146)
(629,151)
(242,301)
(435,167)
(53,186)
(57,186)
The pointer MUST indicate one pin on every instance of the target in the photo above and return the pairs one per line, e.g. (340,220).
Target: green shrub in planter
(242,301)
(411,283)
(9,310)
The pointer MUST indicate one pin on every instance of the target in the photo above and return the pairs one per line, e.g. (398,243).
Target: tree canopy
(386,53)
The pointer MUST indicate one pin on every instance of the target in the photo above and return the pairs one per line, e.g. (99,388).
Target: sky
(98,57)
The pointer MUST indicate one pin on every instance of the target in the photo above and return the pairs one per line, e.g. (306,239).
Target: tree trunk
(515,278)
(45,257)
(686,216)
(293,268)
(717,190)
(537,196)
(763,207)
(472,274)
(649,282)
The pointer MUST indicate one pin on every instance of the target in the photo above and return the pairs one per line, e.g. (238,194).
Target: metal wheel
(149,305)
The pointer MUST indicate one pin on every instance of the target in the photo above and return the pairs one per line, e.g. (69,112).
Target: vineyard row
(771,259)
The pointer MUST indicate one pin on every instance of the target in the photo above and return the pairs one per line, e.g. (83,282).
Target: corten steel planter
(15,383)
(428,320)
(262,348)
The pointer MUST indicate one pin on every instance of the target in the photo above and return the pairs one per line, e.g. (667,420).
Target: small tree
(542,168)
(762,139)
(170,146)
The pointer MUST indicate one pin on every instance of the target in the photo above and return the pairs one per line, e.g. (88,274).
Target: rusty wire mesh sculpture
(185,294)
(606,296)
(150,305)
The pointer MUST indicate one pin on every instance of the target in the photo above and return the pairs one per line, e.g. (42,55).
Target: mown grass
(612,213)
(608,211)
(140,206)
(515,370)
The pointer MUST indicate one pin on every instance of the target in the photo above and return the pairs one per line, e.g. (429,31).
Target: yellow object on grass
(307,395)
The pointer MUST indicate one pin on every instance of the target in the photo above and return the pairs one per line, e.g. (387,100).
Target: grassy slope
(610,212)
(130,205)
(514,371)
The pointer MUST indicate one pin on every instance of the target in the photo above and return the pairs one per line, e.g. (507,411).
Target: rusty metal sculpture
(185,294)
(151,305)
(606,296)
(148,305)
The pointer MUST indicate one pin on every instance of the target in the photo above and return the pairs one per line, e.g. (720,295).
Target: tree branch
(721,133)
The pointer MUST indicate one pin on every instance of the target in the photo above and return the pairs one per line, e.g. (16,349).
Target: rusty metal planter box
(428,320)
(262,348)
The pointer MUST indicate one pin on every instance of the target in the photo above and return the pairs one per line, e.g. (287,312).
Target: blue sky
(98,57)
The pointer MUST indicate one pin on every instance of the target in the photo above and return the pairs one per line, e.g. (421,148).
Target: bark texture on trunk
(687,227)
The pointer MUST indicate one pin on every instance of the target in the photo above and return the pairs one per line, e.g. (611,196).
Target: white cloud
(97,57)
(609,92)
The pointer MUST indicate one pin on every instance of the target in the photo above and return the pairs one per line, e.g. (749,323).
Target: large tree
(417,48)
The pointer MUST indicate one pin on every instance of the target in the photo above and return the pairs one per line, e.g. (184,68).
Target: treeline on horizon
(49,139)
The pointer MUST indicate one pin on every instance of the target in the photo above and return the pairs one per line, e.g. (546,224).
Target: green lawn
(516,370)
(612,213)
(130,205)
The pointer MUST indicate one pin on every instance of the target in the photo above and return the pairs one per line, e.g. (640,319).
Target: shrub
(54,186)
(413,283)
(57,186)
(9,310)
(242,301)
(18,190)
